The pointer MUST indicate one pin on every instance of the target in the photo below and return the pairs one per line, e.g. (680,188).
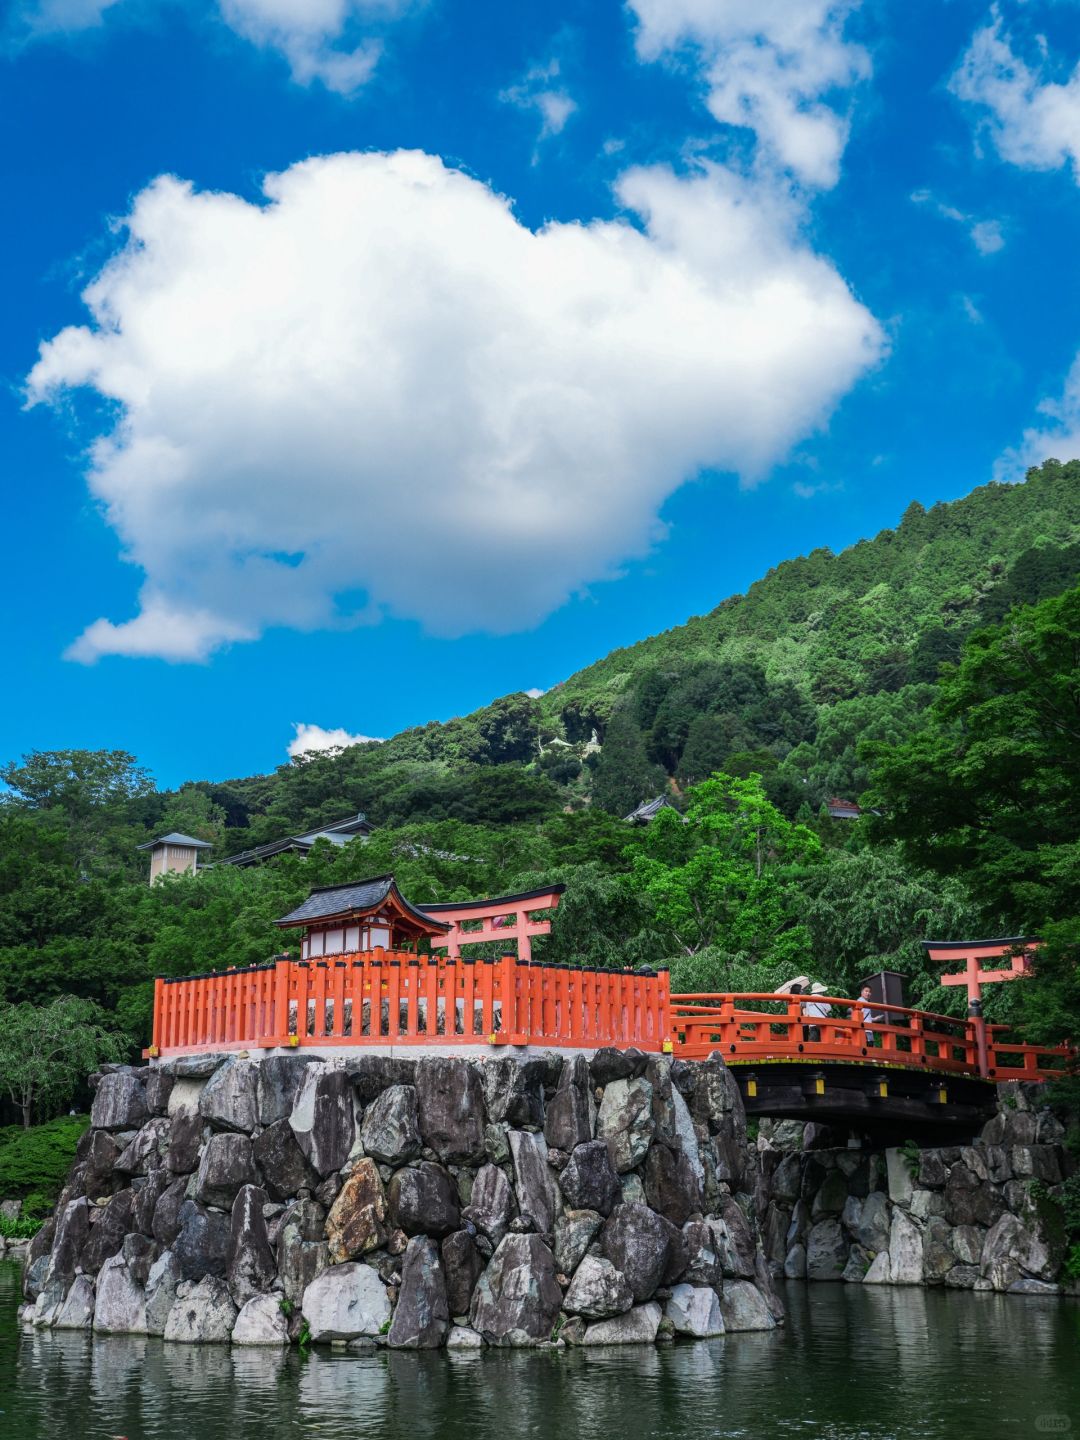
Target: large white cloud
(770,65)
(1034,120)
(380,392)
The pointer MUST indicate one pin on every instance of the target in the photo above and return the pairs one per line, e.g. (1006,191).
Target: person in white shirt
(816,1008)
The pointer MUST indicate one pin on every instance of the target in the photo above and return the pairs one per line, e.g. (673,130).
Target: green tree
(625,776)
(725,876)
(48,1050)
(991,787)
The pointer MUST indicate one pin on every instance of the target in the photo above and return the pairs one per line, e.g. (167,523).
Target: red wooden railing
(384,997)
(761,1026)
(390,998)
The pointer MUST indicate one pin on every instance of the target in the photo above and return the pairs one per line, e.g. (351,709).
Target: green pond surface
(850,1362)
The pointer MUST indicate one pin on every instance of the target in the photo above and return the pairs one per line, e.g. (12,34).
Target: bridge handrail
(720,998)
(705,1021)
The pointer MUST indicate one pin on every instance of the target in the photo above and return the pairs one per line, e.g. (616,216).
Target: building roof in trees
(843,809)
(175,838)
(648,810)
(361,897)
(339,833)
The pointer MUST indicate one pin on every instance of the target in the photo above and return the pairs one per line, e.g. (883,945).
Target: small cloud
(541,91)
(310,739)
(988,236)
(535,693)
(971,310)
(1057,440)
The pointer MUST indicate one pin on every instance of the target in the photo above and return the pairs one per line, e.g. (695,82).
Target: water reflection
(874,1364)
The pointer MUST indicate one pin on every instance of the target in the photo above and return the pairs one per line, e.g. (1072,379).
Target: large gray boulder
(462,1266)
(492,1204)
(261,1322)
(734,1241)
(695,1310)
(422,1315)
(202,1314)
(517,1299)
(867,1221)
(390,1130)
(636,1327)
(671,1182)
(514,1090)
(102,1151)
(158,1085)
(744,1307)
(119,1103)
(107,1231)
(537,1192)
(146,1150)
(625,1121)
(371,1074)
(146,1200)
(229,1099)
(610,1064)
(302,1253)
(120,1307)
(704,1265)
(69,1241)
(250,1267)
(226,1165)
(905,1251)
(574,1233)
(281,1162)
(165,1226)
(201,1246)
(77,1311)
(323,1117)
(827,1250)
(643,1246)
(162,1282)
(937,1254)
(186,1127)
(356,1223)
(344,1302)
(278,1080)
(450,1099)
(597,1290)
(589,1179)
(569,1113)
(423,1200)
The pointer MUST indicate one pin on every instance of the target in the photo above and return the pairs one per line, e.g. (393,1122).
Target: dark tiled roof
(176,839)
(649,809)
(362,895)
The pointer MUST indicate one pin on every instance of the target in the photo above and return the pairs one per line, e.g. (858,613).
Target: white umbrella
(785,989)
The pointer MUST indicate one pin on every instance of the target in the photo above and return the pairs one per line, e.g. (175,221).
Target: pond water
(851,1362)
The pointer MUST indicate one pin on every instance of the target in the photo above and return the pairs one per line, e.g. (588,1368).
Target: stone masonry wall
(414,1203)
(973,1217)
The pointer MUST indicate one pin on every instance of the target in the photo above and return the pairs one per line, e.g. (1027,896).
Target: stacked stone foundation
(983,1216)
(381,1200)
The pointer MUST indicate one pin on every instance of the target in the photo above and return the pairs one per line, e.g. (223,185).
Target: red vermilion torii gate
(508,917)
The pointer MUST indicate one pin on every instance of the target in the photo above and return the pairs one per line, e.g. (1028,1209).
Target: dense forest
(932,672)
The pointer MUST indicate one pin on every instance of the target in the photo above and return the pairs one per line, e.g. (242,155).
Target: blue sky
(660,295)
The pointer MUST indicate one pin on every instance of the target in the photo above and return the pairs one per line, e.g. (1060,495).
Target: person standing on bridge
(870,1017)
(816,1008)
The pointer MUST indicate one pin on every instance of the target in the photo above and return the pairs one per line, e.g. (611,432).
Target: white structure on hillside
(174,853)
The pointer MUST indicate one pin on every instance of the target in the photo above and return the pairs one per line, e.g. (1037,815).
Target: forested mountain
(933,670)
(822,653)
